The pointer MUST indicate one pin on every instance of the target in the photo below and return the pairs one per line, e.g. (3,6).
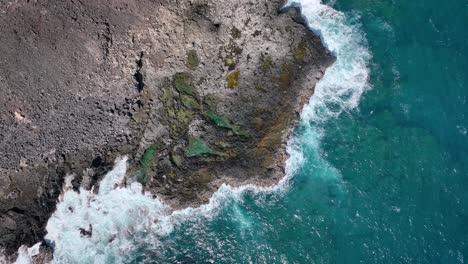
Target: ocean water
(378,170)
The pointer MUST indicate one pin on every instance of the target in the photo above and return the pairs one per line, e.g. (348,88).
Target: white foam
(342,85)
(25,254)
(96,228)
(120,219)
(117,217)
(346,80)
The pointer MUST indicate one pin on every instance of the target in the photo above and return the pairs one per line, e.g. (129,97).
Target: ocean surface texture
(378,170)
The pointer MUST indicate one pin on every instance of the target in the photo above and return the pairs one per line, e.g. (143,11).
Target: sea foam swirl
(342,85)
(346,80)
(121,219)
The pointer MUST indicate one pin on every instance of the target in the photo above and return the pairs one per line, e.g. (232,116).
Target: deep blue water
(403,156)
(379,164)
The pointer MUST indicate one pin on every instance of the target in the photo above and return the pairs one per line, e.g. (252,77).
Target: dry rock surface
(196,92)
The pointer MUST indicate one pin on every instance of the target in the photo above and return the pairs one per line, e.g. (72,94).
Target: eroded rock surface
(196,92)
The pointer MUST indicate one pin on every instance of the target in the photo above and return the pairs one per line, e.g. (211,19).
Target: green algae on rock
(183,83)
(233,79)
(184,116)
(147,161)
(224,123)
(267,63)
(189,102)
(198,147)
(192,59)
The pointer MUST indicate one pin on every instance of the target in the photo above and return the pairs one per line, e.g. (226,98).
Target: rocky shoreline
(196,92)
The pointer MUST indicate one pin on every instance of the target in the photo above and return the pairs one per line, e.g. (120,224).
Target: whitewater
(123,219)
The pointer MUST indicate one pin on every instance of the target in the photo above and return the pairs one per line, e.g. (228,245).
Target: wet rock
(83,82)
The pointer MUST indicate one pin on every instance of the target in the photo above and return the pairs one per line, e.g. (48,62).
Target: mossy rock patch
(198,147)
(183,83)
(167,99)
(301,51)
(189,102)
(224,123)
(210,103)
(203,176)
(147,161)
(184,116)
(177,160)
(192,59)
(267,63)
(233,79)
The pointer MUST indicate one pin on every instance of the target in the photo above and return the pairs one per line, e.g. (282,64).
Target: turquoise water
(378,170)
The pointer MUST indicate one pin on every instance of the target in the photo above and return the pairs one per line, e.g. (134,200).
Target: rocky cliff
(196,92)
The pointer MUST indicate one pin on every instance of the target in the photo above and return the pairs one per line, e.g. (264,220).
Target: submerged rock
(97,79)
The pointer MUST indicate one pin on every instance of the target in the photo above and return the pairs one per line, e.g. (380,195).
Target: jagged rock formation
(196,92)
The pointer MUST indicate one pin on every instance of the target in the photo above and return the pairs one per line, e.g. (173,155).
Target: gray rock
(82,82)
